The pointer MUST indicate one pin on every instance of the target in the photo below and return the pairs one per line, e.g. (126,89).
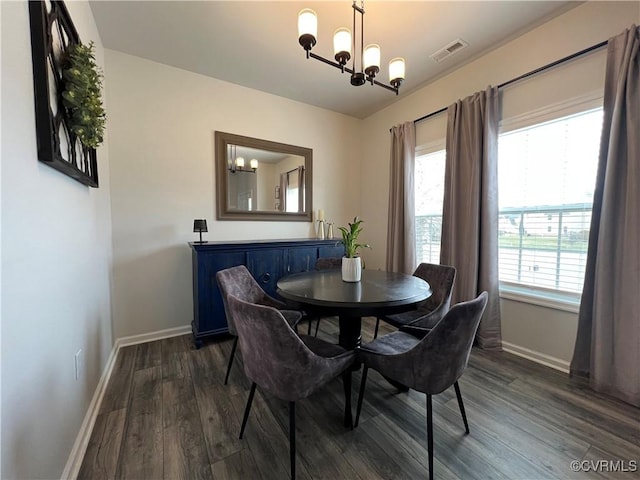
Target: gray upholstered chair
(430,364)
(239,282)
(324,263)
(441,279)
(287,366)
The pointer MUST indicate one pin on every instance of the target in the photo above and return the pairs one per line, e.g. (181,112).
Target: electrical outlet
(78,363)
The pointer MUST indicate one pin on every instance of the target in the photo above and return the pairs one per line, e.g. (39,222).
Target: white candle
(321,215)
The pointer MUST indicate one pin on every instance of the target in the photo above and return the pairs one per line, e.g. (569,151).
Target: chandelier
(236,163)
(344,44)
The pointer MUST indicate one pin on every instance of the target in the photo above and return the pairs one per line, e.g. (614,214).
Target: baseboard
(150,337)
(74,462)
(537,357)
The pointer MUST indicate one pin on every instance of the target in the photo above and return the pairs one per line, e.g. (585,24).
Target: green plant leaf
(350,238)
(81,94)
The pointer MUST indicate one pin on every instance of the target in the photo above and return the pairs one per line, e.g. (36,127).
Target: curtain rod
(295,169)
(526,75)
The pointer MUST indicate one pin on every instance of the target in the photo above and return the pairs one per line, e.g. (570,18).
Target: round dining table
(324,293)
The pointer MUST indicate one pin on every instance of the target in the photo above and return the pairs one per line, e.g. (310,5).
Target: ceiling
(255,43)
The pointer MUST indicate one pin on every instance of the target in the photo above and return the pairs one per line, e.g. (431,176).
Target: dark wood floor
(167,414)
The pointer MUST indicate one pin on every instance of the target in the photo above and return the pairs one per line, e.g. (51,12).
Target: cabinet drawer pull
(266,277)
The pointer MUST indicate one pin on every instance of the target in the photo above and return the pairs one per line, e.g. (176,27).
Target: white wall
(161,143)
(56,258)
(579,28)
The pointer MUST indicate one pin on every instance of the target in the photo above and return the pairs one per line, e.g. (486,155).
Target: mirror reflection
(262,180)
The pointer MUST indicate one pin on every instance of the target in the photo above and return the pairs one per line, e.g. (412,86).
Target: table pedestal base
(350,336)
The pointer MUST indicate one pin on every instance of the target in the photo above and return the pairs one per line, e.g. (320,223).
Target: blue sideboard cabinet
(267,260)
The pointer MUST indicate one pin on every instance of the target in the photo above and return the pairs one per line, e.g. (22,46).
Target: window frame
(531,294)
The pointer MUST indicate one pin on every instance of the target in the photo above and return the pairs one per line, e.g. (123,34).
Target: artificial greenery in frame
(82,94)
(70,118)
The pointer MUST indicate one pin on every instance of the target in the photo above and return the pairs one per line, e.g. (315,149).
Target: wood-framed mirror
(262,180)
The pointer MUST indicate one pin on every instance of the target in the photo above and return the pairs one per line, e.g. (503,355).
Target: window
(429,191)
(546,181)
(292,191)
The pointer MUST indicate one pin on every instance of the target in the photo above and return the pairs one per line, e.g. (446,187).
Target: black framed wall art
(61,144)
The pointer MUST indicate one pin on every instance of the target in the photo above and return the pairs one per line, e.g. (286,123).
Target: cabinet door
(210,316)
(300,259)
(331,251)
(266,266)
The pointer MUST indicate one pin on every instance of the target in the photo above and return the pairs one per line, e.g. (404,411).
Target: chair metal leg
(363,383)
(292,438)
(430,435)
(317,325)
(247,409)
(233,353)
(461,405)
(309,328)
(375,332)
(346,382)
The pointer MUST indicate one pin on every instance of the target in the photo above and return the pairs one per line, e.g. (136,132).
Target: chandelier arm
(384,85)
(330,62)
(241,169)
(349,70)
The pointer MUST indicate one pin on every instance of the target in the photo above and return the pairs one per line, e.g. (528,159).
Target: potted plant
(351,263)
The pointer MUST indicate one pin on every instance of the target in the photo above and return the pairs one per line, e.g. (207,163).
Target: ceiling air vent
(445,52)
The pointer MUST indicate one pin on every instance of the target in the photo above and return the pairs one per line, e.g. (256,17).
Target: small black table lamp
(200,226)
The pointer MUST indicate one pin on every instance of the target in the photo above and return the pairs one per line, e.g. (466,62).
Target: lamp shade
(342,44)
(396,69)
(307,23)
(200,225)
(253,163)
(240,162)
(371,56)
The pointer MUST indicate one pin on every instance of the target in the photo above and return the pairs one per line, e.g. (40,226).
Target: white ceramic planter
(351,269)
